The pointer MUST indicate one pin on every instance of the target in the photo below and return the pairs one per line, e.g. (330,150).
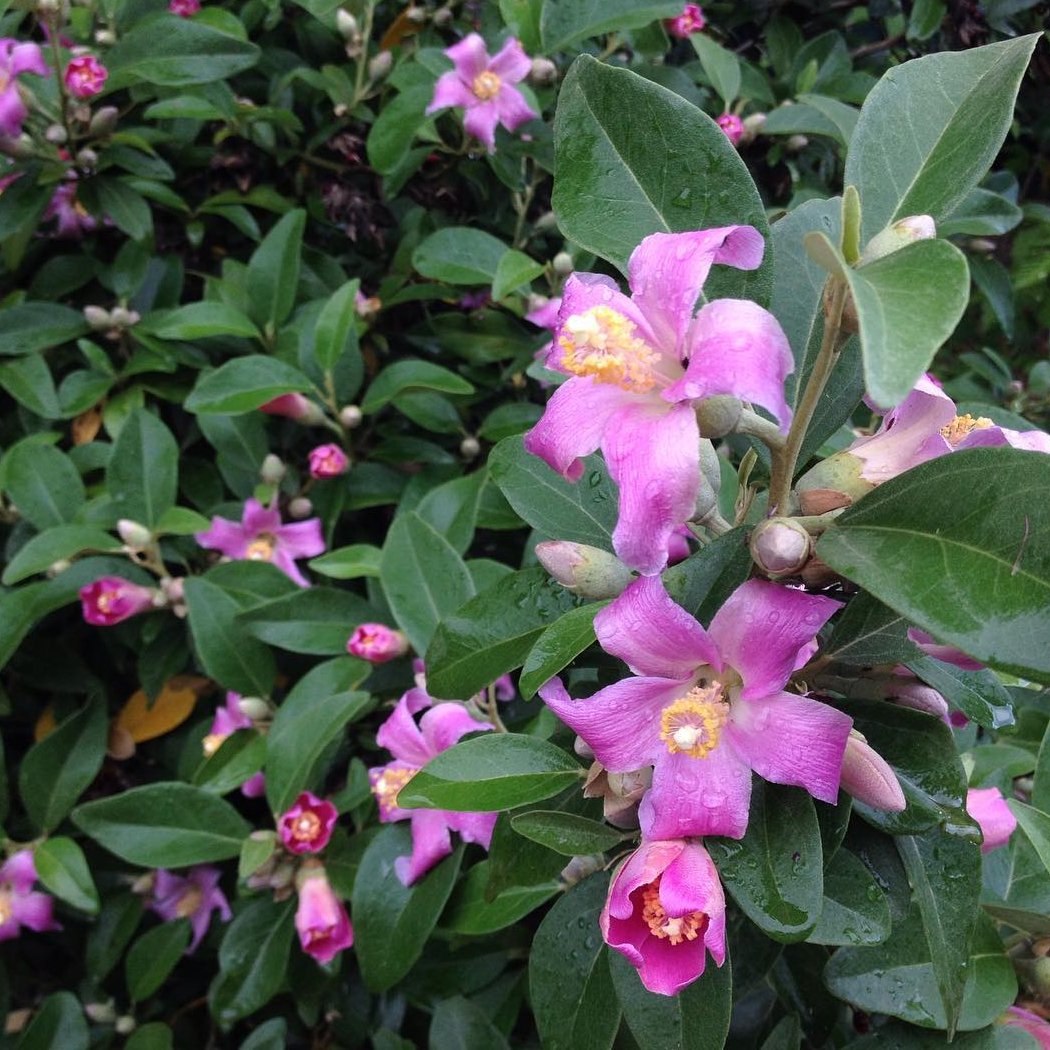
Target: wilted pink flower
(260,536)
(184,8)
(111,599)
(321,919)
(665,912)
(193,896)
(16,58)
(1037,1027)
(637,365)
(328,461)
(733,127)
(482,86)
(292,406)
(85,76)
(988,807)
(710,706)
(377,643)
(413,747)
(307,826)
(19,904)
(72,219)
(691,20)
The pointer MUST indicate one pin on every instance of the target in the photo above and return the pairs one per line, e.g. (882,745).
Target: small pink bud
(918,696)
(584,570)
(988,807)
(85,76)
(868,777)
(377,643)
(111,599)
(307,826)
(328,461)
(293,406)
(691,20)
(321,919)
(733,127)
(780,546)
(184,8)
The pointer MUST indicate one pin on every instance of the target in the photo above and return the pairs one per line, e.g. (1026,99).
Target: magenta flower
(1037,1027)
(72,219)
(193,896)
(483,87)
(16,58)
(307,826)
(691,20)
(184,8)
(85,76)
(733,127)
(665,912)
(292,406)
(328,461)
(111,599)
(19,904)
(413,746)
(709,705)
(260,536)
(321,919)
(377,643)
(988,807)
(638,364)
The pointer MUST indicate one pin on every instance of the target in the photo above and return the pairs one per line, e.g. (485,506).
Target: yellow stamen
(386,788)
(693,723)
(189,902)
(486,85)
(306,828)
(600,342)
(261,548)
(212,742)
(105,601)
(6,906)
(674,929)
(962,426)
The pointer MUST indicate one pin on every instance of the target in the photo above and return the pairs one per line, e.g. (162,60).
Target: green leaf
(982,214)
(403,376)
(56,770)
(459,255)
(124,206)
(181,521)
(451,509)
(227,652)
(29,327)
(889,540)
(349,563)
(165,825)
(317,620)
(394,130)
(931,128)
(59,1023)
(143,470)
(244,384)
(273,272)
(562,24)
(201,321)
(54,544)
(697,1018)
(62,868)
(493,632)
(335,333)
(515,270)
(153,956)
(459,1024)
(491,772)
(868,633)
(722,68)
(110,934)
(240,756)
(154,1035)
(471,912)
(978,694)
(423,578)
(571,989)
(392,922)
(775,872)
(558,646)
(566,833)
(855,909)
(43,483)
(1036,826)
(813,115)
(621,178)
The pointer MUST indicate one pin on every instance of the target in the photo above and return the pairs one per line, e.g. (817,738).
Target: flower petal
(480,121)
(469,56)
(451,91)
(473,827)
(643,866)
(257,518)
(27,58)
(761,629)
(19,871)
(12,112)
(513,109)
(35,910)
(995,437)
(584,291)
(400,735)
(667,968)
(431,843)
(691,883)
(510,63)
(652,634)
(303,539)
(227,537)
(443,725)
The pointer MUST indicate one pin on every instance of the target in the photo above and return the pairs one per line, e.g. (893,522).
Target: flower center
(386,788)
(189,902)
(104,602)
(486,85)
(601,342)
(306,828)
(261,548)
(674,929)
(962,426)
(212,742)
(7,909)
(693,723)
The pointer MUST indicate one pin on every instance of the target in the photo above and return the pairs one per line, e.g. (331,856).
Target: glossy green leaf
(201,321)
(855,909)
(59,1022)
(566,833)
(459,255)
(621,178)
(153,956)
(43,483)
(315,620)
(451,509)
(514,270)
(887,542)
(143,469)
(56,543)
(562,24)
(1036,826)
(721,66)
(245,383)
(154,1035)
(349,563)
(336,330)
(111,932)
(978,694)
(62,868)
(558,646)
(459,1024)
(470,911)
(868,633)
(29,327)
(240,756)
(273,271)
(405,376)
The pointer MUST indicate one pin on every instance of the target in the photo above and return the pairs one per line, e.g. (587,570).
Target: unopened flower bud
(254,707)
(105,37)
(981,244)
(346,24)
(294,406)
(99,319)
(868,777)
(580,867)
(56,135)
(300,508)
(620,793)
(123,317)
(543,71)
(909,692)
(563,264)
(796,143)
(350,416)
(753,125)
(100,1013)
(134,535)
(377,643)
(124,1025)
(469,447)
(273,469)
(415,14)
(175,588)
(546,223)
(48,7)
(584,570)
(780,546)
(56,568)
(732,126)
(87,159)
(898,235)
(718,416)
(380,65)
(442,16)
(104,121)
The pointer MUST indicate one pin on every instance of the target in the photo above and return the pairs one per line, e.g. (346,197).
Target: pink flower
(413,747)
(733,127)
(988,807)
(19,905)
(328,461)
(691,20)
(184,8)
(227,720)
(665,912)
(638,364)
(546,314)
(72,219)
(377,643)
(16,58)
(367,306)
(307,826)
(482,86)
(1033,1024)
(868,777)
(948,653)
(111,599)
(193,896)
(260,536)
(710,705)
(292,406)
(321,919)
(85,76)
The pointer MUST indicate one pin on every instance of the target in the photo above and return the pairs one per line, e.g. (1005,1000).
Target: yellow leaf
(143,721)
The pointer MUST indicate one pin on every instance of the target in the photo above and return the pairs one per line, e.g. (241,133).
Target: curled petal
(400,735)
(28,58)
(584,291)
(431,843)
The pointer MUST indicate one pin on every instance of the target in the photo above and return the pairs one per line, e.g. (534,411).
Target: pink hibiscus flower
(709,705)
(638,364)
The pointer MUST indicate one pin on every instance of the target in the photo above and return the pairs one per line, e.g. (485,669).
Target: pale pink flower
(192,896)
(321,919)
(709,706)
(733,127)
(483,86)
(184,8)
(260,536)
(85,76)
(16,58)
(20,905)
(111,599)
(691,20)
(328,461)
(988,807)
(664,913)
(307,826)
(376,643)
(637,366)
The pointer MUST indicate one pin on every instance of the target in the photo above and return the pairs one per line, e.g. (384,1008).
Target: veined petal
(513,109)
(443,725)
(643,866)
(652,634)
(995,437)
(480,121)
(451,91)
(654,457)
(691,883)
(621,722)
(667,968)
(431,843)
(469,56)
(794,740)
(762,627)
(400,735)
